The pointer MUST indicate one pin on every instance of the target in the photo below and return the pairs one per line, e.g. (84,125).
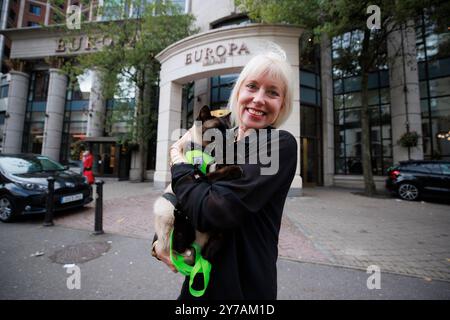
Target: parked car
(412,179)
(23,185)
(76,166)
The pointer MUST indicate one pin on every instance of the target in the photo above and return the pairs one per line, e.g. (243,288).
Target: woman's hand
(176,151)
(163,256)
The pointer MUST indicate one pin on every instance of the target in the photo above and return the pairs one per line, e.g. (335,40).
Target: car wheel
(408,191)
(7,208)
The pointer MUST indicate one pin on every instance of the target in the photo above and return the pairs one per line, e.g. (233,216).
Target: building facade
(409,91)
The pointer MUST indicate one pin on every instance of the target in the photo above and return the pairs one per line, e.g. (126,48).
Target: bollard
(98,229)
(48,220)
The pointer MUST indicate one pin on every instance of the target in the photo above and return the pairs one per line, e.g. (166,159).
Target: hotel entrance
(111,159)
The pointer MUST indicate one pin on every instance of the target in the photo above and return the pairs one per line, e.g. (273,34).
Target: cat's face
(211,122)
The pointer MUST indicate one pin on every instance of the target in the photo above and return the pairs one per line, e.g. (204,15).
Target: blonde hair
(272,65)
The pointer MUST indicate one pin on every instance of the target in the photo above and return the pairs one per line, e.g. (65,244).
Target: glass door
(311,155)
(310,164)
(105,159)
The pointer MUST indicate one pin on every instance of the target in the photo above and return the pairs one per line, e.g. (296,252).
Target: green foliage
(59,15)
(335,17)
(76,149)
(129,61)
(127,68)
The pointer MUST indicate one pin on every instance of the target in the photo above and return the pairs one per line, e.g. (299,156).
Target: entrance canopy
(224,50)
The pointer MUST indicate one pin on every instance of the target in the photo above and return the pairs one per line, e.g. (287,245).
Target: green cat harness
(198,157)
(201,266)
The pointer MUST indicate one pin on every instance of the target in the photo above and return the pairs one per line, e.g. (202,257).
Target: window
(81,88)
(221,87)
(36,10)
(12,15)
(434,75)
(180,4)
(417,167)
(352,84)
(35,112)
(445,168)
(439,68)
(32,24)
(40,83)
(76,114)
(347,109)
(4,91)
(438,87)
(309,55)
(309,88)
(434,168)
(308,95)
(310,121)
(188,105)
(308,79)
(234,20)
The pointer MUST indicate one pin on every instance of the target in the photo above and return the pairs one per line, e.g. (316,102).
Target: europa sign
(216,55)
(82,43)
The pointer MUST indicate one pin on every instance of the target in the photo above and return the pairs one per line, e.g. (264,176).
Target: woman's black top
(247,211)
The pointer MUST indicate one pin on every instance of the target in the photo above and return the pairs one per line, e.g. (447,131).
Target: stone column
(97,108)
(47,13)
(20,15)
(327,111)
(169,120)
(15,112)
(404,91)
(54,116)
(292,125)
(3,23)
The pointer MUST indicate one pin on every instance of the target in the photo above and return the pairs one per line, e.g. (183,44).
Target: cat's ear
(204,114)
(227,117)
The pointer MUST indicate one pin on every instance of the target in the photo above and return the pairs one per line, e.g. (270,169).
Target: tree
(139,30)
(336,17)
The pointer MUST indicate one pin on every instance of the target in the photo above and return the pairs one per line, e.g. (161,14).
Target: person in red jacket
(88,160)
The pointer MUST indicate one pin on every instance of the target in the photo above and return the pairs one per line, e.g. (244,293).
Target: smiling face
(260,100)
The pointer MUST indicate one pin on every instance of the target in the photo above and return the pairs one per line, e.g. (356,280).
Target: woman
(248,210)
(88,161)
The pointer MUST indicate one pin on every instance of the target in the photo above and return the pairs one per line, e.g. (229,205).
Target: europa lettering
(216,55)
(82,43)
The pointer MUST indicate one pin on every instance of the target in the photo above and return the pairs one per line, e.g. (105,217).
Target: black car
(413,179)
(23,185)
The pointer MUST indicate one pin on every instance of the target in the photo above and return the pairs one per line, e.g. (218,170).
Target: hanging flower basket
(409,139)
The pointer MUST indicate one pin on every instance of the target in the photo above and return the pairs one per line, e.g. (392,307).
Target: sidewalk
(121,268)
(328,226)
(351,230)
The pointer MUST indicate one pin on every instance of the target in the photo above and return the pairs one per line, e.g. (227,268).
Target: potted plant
(409,139)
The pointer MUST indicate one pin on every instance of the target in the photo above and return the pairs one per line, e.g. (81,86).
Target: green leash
(201,265)
(198,157)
